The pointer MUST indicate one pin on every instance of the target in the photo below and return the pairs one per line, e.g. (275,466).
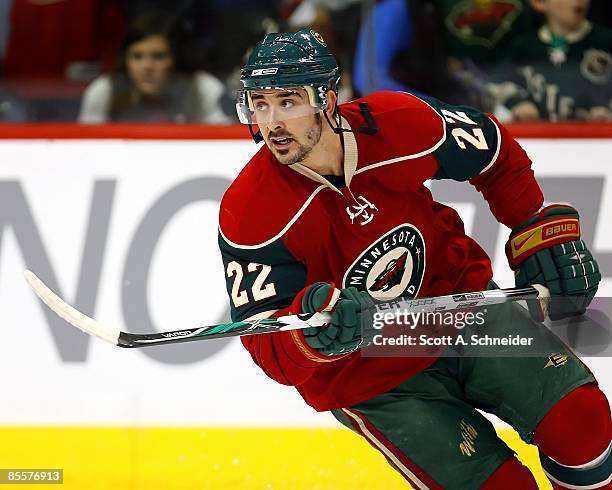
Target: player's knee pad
(510,475)
(574,440)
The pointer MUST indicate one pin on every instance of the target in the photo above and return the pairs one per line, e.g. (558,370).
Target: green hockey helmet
(282,64)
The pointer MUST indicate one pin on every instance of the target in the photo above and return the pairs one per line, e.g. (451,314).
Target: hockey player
(327,203)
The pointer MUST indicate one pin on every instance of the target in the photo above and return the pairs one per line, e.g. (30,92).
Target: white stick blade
(70,314)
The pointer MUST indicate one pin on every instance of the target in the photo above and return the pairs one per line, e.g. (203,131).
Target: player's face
(291,139)
(568,14)
(149,63)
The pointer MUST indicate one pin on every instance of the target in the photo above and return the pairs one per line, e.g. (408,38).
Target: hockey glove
(547,249)
(343,334)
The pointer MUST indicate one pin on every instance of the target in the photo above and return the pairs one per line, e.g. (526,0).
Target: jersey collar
(546,35)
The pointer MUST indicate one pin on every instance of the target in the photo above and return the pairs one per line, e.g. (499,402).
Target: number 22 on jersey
(259,290)
(476,139)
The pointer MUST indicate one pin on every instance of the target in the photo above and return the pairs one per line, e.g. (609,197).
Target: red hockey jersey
(285,227)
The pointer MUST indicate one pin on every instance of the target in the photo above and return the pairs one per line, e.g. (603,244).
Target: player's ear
(332,102)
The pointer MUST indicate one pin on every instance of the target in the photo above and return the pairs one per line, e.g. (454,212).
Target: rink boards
(126,231)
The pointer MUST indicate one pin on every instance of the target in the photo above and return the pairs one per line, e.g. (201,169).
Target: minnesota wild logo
(483,22)
(391,267)
(392,275)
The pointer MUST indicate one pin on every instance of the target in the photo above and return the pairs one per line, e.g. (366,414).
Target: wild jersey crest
(392,275)
(393,266)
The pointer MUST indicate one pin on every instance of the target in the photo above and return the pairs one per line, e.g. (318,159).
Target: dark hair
(150,24)
(125,98)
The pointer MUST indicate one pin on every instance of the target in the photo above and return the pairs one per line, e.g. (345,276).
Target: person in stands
(151,82)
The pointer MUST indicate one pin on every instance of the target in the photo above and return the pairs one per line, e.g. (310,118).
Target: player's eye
(287,104)
(260,107)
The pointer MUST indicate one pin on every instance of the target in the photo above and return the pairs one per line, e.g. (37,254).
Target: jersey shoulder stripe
(263,202)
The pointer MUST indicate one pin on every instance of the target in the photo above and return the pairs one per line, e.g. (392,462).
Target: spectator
(564,69)
(152,82)
(392,26)
(482,30)
(193,18)
(439,47)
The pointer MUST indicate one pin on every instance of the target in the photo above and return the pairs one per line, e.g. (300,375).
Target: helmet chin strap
(257,137)
(371,128)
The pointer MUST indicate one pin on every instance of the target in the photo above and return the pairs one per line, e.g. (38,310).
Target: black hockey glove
(547,249)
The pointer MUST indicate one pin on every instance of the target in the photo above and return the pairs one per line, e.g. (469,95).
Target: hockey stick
(115,336)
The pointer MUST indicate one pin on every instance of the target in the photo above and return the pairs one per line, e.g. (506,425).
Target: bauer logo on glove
(547,249)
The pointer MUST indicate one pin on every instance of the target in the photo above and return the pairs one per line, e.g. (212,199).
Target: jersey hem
(349,402)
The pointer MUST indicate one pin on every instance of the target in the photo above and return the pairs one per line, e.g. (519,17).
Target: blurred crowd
(98,61)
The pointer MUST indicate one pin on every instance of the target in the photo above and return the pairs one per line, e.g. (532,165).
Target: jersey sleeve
(264,282)
(477,148)
(260,280)
(471,144)
(509,185)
